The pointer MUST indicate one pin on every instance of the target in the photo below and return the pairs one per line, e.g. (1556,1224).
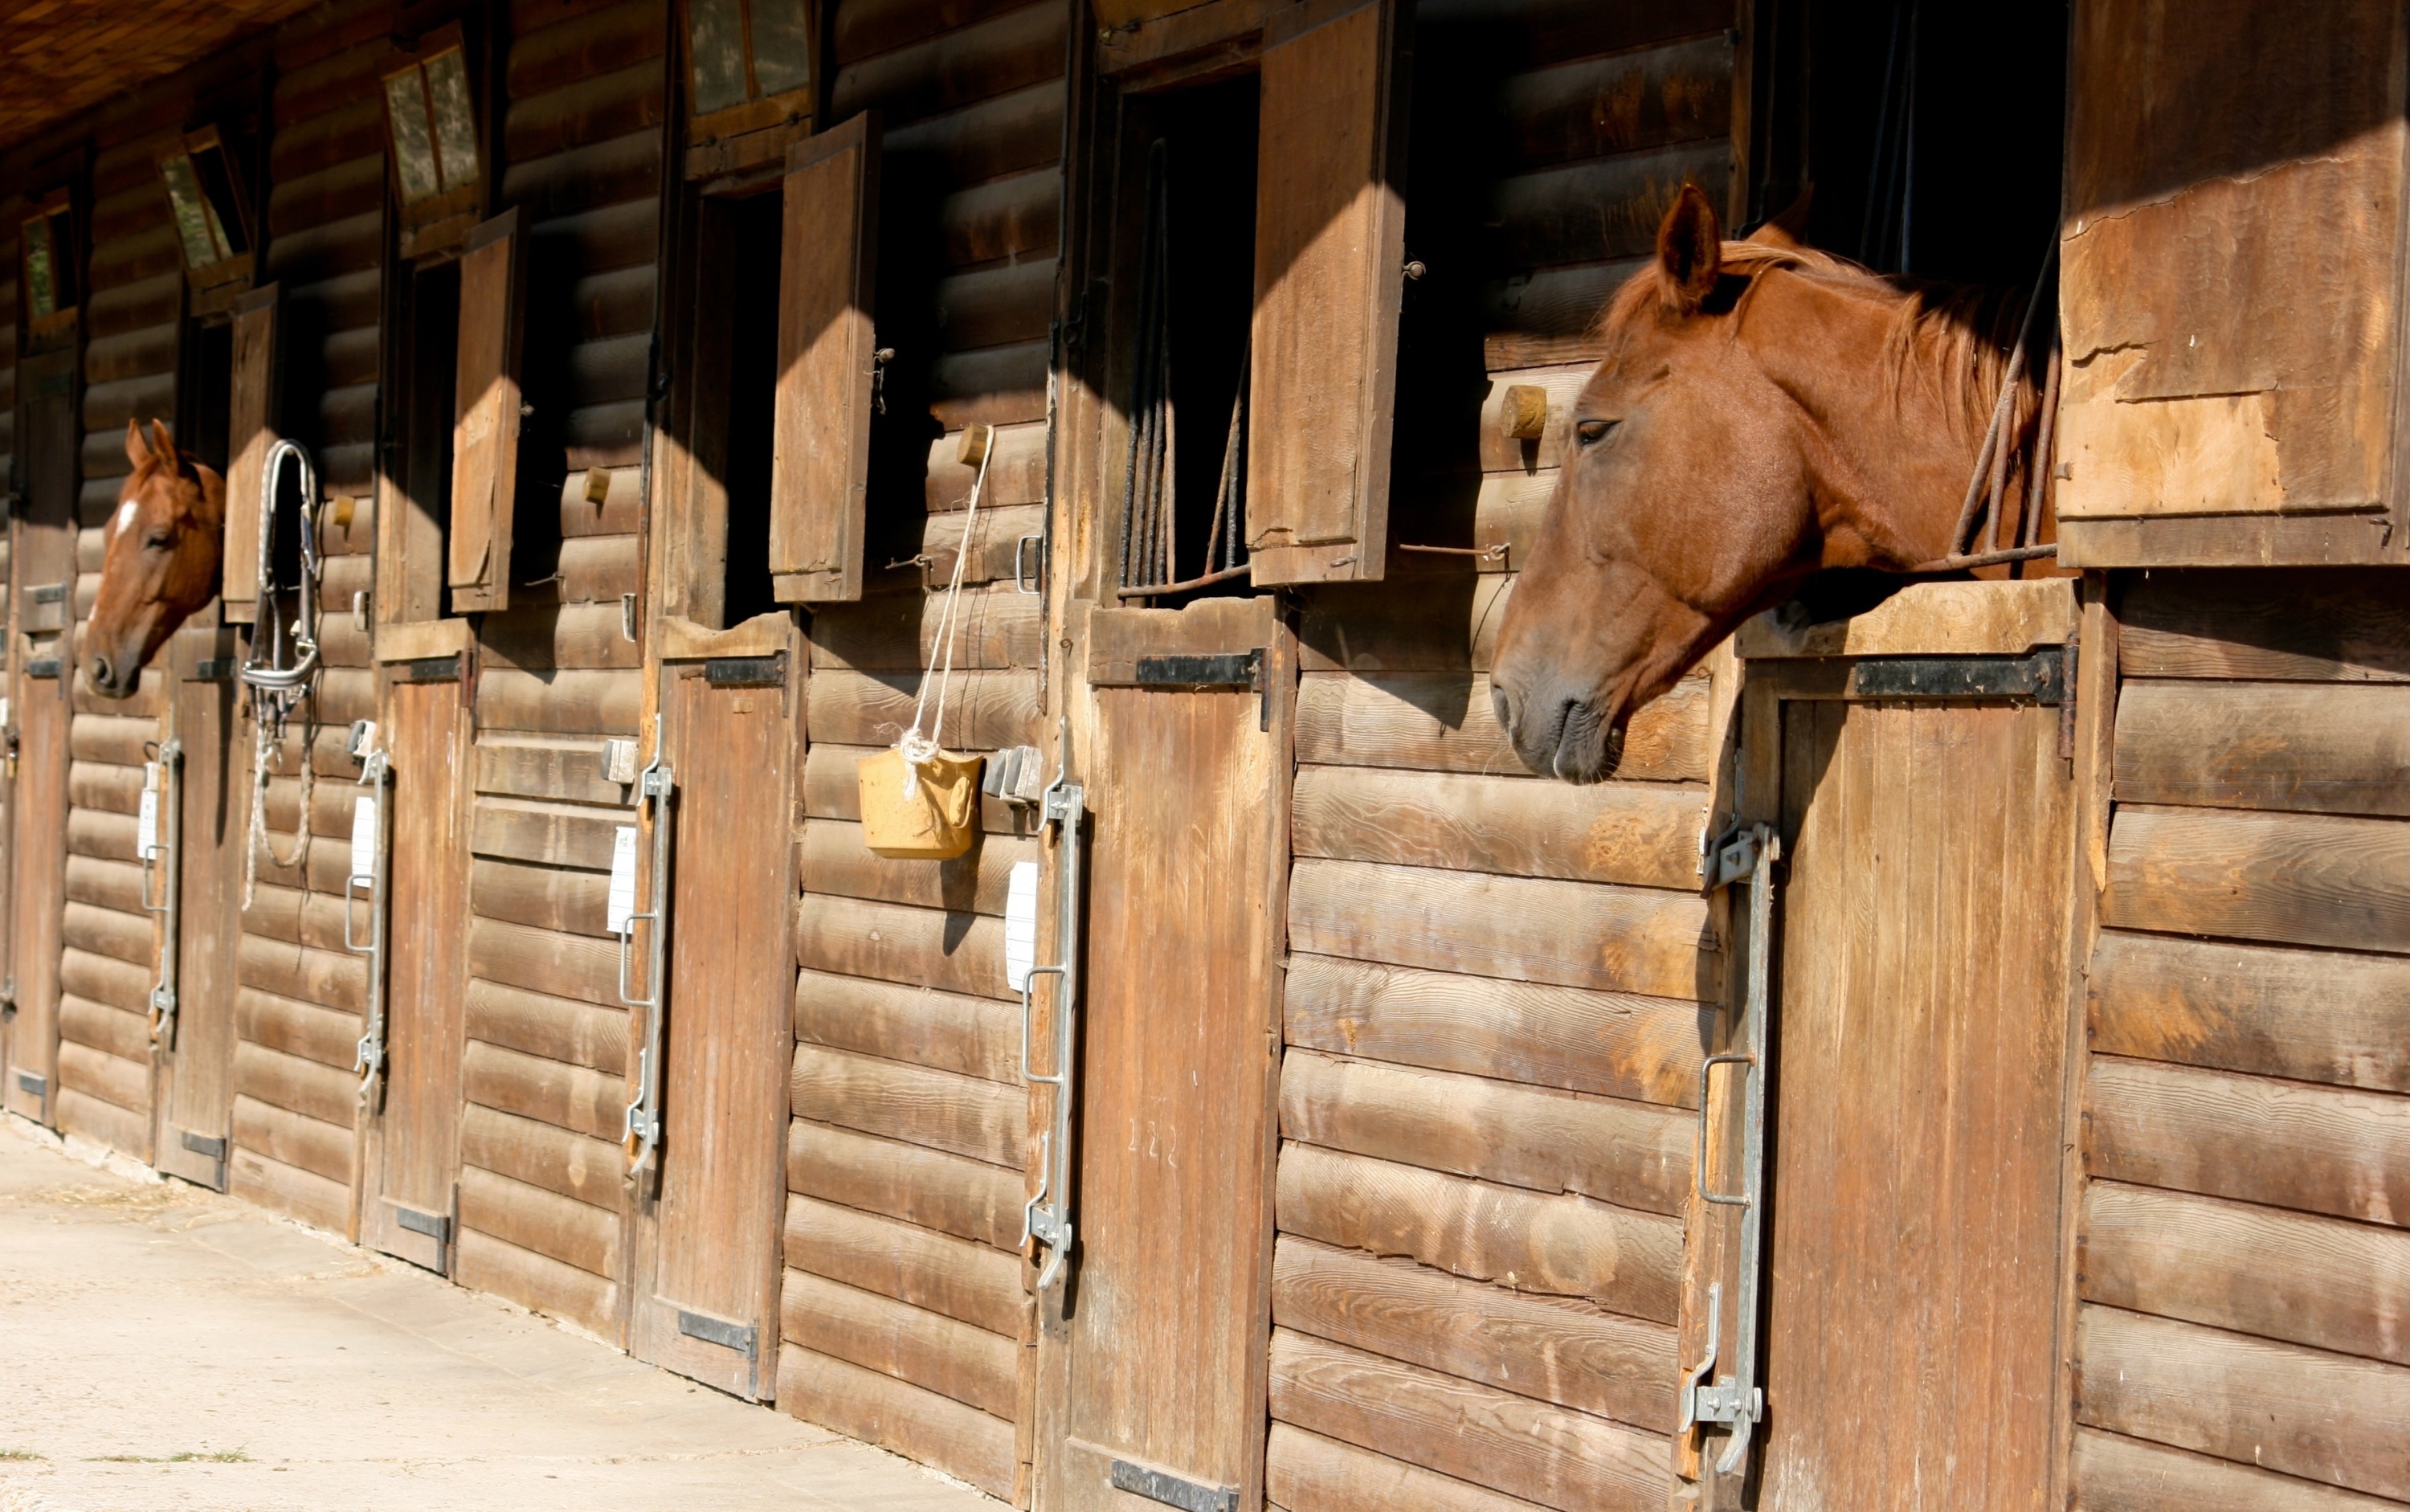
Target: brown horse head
(1762,411)
(165,543)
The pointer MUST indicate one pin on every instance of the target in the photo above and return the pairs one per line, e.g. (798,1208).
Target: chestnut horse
(1762,411)
(165,545)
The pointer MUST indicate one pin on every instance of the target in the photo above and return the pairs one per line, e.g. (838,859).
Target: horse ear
(137,451)
(1790,229)
(162,446)
(1690,251)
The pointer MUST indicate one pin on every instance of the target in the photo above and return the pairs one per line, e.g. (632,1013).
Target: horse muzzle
(112,677)
(1567,737)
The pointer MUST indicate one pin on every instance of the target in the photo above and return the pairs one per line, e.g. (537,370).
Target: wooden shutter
(825,363)
(486,409)
(250,431)
(1329,254)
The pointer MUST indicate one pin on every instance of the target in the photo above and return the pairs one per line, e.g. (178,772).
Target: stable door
(42,660)
(201,830)
(712,1064)
(411,1149)
(1155,1343)
(1920,1024)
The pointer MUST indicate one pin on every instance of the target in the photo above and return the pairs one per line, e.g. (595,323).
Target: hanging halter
(277,672)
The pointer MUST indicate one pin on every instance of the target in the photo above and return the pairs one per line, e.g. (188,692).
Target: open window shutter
(825,365)
(485,427)
(250,431)
(1329,256)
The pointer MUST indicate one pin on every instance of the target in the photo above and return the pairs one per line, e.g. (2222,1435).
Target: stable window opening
(411,577)
(738,242)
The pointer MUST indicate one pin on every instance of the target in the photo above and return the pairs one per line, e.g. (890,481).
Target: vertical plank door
(194,1105)
(411,1155)
(705,1233)
(1160,1334)
(1920,1034)
(43,566)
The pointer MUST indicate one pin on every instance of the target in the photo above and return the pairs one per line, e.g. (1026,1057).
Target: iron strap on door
(159,842)
(1047,1216)
(654,785)
(367,866)
(1735,1399)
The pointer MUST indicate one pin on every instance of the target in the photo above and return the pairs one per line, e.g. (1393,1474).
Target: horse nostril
(1501,702)
(100,670)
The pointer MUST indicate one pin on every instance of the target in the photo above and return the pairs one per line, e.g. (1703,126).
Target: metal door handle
(1748,1193)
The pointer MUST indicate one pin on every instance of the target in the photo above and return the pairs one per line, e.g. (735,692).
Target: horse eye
(159,540)
(1594,431)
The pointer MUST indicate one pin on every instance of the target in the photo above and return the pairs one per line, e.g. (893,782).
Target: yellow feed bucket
(930,819)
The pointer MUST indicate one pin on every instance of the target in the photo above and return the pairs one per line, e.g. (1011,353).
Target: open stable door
(1913,1063)
(826,364)
(193,1011)
(411,1152)
(1155,1348)
(250,423)
(42,564)
(1330,220)
(715,1040)
(487,410)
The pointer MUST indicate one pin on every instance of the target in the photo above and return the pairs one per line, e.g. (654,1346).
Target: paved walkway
(164,1347)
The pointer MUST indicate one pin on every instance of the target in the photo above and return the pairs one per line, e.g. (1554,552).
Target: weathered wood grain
(950,1193)
(326,1036)
(568,1096)
(2297,878)
(2309,624)
(331,979)
(83,1114)
(1557,1350)
(835,861)
(120,985)
(911,1344)
(2309,1015)
(546,833)
(483,1262)
(1630,1153)
(984,710)
(113,1079)
(2304,748)
(975,1283)
(1646,835)
(1524,929)
(897,1414)
(1441,722)
(999,628)
(965,1116)
(1565,1246)
(1551,1455)
(568,965)
(2313,1149)
(554,1029)
(1612,1043)
(832,790)
(2301,1412)
(307,1144)
(2321,1282)
(1305,1472)
(562,769)
(957,953)
(324,1093)
(117,1032)
(2112,1473)
(542,1155)
(543,897)
(948,1031)
(559,1228)
(257,1175)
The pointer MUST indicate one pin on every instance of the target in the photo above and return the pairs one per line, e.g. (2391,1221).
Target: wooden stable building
(647,354)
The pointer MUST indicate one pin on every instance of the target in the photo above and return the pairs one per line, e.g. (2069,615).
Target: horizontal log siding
(906,1316)
(2244,1269)
(1493,997)
(301,994)
(544,1073)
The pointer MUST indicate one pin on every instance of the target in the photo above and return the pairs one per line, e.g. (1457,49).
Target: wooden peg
(1525,415)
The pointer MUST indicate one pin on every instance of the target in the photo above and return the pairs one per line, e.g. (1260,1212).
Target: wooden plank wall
(1493,1011)
(12,211)
(300,994)
(2245,1266)
(904,1314)
(133,316)
(545,1066)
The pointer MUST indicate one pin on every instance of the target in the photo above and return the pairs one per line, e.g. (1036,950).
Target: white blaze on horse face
(124,517)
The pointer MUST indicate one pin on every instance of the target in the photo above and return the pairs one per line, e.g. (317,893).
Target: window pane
(41,289)
(715,34)
(782,45)
(192,212)
(413,144)
(455,119)
(219,199)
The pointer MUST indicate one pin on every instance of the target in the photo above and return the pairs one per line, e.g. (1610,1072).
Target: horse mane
(1956,337)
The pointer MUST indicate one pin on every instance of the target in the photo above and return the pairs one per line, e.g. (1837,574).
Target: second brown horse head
(165,543)
(1762,411)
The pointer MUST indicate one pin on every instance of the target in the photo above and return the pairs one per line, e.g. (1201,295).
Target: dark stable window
(737,266)
(205,393)
(51,284)
(1190,259)
(429,355)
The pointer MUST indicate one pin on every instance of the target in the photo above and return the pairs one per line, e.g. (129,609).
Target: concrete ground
(164,1347)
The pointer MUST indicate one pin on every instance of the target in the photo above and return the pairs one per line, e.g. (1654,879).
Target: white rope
(263,722)
(919,749)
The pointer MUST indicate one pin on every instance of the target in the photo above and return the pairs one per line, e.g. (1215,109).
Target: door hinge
(741,1337)
(435,1226)
(1173,1491)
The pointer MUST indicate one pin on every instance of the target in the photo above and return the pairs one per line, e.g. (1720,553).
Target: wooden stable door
(1913,1254)
(707,1220)
(43,572)
(1159,1339)
(194,1105)
(411,1153)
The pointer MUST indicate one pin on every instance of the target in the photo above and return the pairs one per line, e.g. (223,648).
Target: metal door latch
(1047,1216)
(642,1133)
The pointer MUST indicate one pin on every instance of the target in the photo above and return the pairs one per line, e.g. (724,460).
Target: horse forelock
(1955,337)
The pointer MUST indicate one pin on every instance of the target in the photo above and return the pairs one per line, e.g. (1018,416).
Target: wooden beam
(877,1332)
(941,1110)
(2294,879)
(2303,747)
(1444,722)
(960,1278)
(2308,1015)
